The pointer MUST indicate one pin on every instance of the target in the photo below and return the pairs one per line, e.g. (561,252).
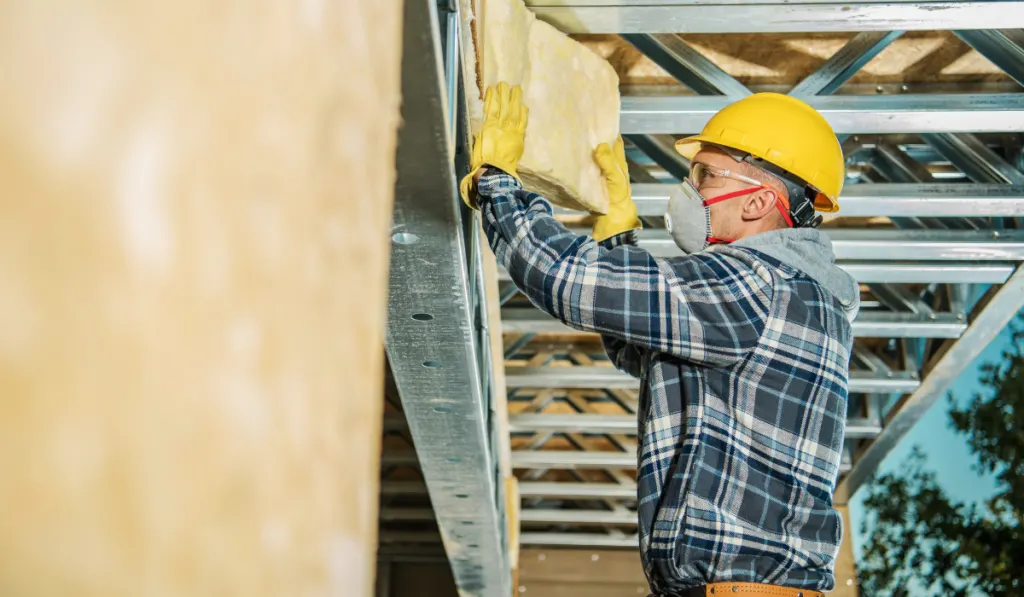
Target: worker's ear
(759,204)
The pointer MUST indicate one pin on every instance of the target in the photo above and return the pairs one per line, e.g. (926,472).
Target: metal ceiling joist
(845,63)
(914,273)
(848,114)
(929,273)
(869,324)
(893,245)
(1004,48)
(573,459)
(597,377)
(990,319)
(976,160)
(626,424)
(937,200)
(580,540)
(661,149)
(897,166)
(687,65)
(578,517)
(430,342)
(542,489)
(772,16)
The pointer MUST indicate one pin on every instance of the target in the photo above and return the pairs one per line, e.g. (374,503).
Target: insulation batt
(572,94)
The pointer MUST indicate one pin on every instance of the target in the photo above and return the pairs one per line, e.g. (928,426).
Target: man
(742,344)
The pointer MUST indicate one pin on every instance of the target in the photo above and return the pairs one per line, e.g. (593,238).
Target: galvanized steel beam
(627,424)
(937,200)
(597,377)
(430,341)
(687,65)
(976,160)
(868,324)
(845,63)
(1004,48)
(617,541)
(848,114)
(761,16)
(571,491)
(915,272)
(893,245)
(661,149)
(573,459)
(578,517)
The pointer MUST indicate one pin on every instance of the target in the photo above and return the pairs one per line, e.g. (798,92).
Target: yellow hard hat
(783,131)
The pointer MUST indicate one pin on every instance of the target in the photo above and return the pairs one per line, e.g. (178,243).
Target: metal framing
(573,420)
(432,347)
(768,16)
(848,114)
(931,215)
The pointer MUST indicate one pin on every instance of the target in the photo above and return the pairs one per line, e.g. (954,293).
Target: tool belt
(746,589)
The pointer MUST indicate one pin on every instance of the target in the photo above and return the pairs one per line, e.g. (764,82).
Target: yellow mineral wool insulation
(572,94)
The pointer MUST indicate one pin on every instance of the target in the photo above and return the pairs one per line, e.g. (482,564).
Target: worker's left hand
(501,140)
(622,213)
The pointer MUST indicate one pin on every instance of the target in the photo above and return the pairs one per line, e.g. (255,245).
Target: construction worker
(742,344)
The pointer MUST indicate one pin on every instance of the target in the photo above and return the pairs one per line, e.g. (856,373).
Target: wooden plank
(846,565)
(192,390)
(580,566)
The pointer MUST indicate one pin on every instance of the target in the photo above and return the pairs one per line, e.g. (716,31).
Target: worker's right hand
(502,137)
(622,212)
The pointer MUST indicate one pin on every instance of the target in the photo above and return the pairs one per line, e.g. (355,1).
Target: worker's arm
(625,356)
(707,308)
(613,229)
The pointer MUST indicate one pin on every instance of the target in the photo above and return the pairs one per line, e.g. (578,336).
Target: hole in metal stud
(405,238)
(432,364)
(442,410)
(422,316)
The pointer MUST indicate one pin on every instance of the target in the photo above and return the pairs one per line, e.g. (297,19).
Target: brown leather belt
(747,589)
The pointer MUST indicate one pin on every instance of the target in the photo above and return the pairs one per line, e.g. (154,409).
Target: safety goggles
(707,176)
(704,177)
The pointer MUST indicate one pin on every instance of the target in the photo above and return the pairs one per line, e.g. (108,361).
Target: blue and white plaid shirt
(744,363)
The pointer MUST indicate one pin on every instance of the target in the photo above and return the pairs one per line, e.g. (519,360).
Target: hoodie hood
(810,251)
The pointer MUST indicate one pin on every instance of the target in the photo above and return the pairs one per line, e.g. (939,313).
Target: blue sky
(947,452)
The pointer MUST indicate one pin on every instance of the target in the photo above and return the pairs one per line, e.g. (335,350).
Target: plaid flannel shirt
(744,363)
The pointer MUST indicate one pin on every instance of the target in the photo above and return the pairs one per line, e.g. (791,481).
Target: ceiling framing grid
(930,226)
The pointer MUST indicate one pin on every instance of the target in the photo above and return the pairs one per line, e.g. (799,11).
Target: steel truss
(930,226)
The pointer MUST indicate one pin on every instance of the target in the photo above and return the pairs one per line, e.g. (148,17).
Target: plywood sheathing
(191,389)
(786,59)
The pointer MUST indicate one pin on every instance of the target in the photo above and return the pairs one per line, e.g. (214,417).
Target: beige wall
(193,258)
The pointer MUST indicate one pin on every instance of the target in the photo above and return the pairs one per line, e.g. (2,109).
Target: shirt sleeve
(708,308)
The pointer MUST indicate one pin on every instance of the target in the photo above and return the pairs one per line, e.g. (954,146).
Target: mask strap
(714,240)
(785,214)
(740,193)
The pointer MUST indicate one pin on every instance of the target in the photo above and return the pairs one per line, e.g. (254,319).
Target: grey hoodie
(810,251)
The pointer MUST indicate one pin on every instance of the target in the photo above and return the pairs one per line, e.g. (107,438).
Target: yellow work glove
(501,139)
(621,215)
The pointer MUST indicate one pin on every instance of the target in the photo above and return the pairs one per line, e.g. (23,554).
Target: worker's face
(728,217)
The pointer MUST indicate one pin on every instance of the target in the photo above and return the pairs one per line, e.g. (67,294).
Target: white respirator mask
(688,218)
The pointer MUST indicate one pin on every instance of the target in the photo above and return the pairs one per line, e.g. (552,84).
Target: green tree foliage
(919,541)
